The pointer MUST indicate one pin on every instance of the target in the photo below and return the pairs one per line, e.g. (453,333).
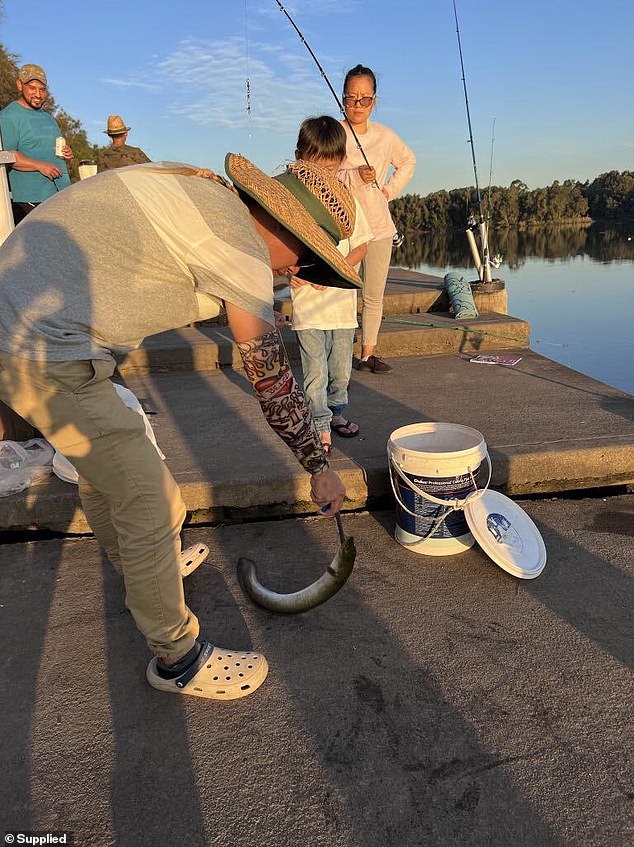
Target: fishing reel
(397,239)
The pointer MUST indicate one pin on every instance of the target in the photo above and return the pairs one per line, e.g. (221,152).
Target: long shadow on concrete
(378,775)
(27,590)
(153,787)
(376,726)
(445,702)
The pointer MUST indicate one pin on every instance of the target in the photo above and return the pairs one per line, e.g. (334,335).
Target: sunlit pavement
(433,701)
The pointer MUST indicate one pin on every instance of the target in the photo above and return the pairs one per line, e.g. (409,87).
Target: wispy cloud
(210,78)
(132,83)
(263,78)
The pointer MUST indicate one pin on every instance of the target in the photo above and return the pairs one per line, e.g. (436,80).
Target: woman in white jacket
(370,185)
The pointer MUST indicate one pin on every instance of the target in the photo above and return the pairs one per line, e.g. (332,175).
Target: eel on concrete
(333,578)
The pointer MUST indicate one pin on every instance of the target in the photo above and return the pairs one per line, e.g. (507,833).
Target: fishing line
(496,260)
(248,80)
(484,270)
(490,170)
(327,81)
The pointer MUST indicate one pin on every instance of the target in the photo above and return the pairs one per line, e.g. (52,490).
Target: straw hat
(326,187)
(116,125)
(319,212)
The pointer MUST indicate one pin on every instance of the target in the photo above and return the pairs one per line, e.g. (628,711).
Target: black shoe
(374,365)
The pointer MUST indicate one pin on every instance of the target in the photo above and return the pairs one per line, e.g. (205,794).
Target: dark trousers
(21,210)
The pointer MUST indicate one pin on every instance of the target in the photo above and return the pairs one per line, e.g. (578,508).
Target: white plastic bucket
(434,470)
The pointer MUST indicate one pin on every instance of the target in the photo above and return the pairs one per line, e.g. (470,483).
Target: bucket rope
(451,506)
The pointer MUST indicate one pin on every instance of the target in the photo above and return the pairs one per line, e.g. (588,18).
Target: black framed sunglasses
(349,100)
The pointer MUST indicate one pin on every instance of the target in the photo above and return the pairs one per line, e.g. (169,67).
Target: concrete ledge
(198,348)
(409,292)
(548,429)
(55,506)
(210,347)
(564,467)
(409,335)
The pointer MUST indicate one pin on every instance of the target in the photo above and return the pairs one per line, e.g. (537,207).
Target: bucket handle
(451,506)
(455,504)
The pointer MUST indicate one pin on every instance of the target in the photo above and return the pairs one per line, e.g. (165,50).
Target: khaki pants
(131,500)
(374,270)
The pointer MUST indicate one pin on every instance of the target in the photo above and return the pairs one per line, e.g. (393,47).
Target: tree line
(608,197)
(447,248)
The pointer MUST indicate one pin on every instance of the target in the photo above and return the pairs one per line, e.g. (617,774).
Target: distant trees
(76,137)
(609,196)
(8,76)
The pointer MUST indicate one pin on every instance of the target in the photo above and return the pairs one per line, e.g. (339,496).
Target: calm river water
(575,286)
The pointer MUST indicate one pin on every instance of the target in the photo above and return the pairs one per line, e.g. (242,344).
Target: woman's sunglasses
(360,101)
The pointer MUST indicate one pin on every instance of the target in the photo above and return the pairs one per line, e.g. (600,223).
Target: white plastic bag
(39,457)
(15,474)
(23,463)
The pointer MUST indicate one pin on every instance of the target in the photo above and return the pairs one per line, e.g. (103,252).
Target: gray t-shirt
(121,256)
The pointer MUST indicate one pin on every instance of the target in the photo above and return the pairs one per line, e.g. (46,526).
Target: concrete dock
(548,428)
(433,702)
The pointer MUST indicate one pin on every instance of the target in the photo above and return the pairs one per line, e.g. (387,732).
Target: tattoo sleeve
(282,400)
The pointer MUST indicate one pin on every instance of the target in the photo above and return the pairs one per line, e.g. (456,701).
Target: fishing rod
(490,170)
(328,83)
(496,260)
(483,263)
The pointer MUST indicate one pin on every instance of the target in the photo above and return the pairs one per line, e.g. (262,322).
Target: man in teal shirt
(28,130)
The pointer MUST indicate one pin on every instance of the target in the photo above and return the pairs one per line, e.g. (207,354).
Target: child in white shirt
(325,319)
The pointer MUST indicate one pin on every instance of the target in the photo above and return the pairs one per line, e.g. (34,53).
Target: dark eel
(333,578)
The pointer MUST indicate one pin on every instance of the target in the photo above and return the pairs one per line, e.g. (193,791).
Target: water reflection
(572,284)
(448,248)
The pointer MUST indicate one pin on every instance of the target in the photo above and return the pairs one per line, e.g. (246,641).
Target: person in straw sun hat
(119,154)
(175,243)
(115,126)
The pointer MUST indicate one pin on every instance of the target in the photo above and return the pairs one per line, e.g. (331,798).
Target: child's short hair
(321,138)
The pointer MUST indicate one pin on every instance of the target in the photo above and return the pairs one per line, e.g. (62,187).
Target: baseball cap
(29,72)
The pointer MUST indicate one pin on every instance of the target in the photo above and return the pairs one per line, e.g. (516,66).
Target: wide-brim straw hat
(116,126)
(309,216)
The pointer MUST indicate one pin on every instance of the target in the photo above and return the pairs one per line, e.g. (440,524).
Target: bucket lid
(507,534)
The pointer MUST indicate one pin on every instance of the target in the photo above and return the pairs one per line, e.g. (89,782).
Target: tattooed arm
(283,403)
(281,399)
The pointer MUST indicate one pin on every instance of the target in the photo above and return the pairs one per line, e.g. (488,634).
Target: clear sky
(549,82)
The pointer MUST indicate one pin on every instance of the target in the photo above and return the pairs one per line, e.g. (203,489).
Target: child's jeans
(327,364)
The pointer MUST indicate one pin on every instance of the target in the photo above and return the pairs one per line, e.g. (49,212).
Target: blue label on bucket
(428,513)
